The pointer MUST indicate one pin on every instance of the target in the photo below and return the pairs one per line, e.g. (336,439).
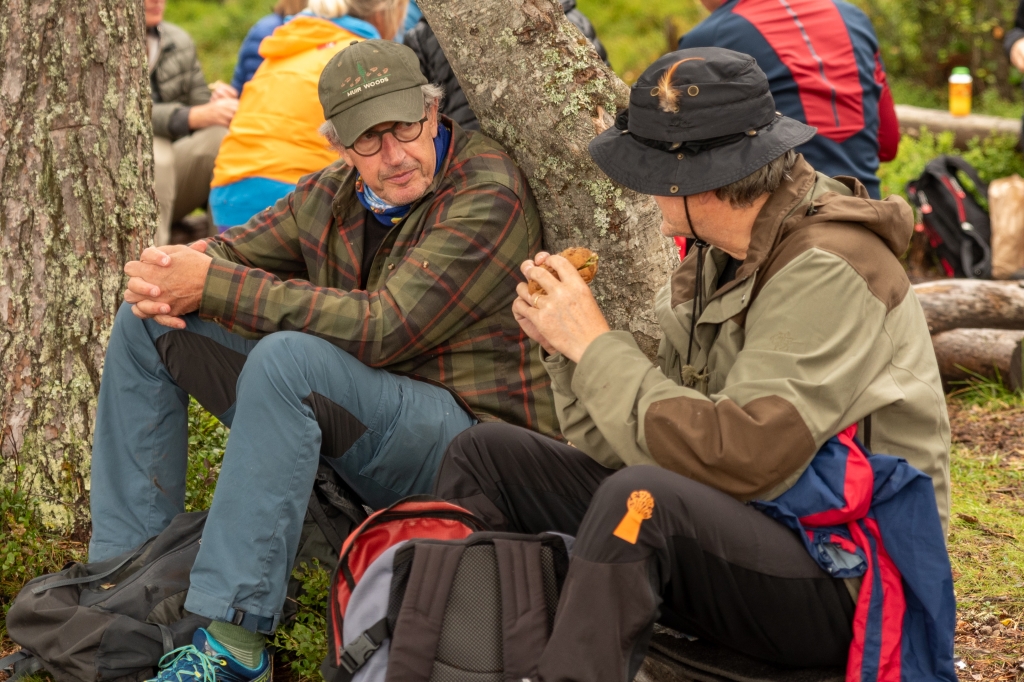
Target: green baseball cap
(368,83)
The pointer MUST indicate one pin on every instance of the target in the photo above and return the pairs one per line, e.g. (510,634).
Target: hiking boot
(207,660)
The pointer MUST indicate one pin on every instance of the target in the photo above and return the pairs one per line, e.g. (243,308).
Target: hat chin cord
(698,294)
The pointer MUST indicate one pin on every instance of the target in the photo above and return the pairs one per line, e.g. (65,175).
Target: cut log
(965,128)
(966,353)
(971,304)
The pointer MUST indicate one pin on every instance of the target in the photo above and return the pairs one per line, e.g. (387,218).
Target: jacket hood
(891,219)
(301,34)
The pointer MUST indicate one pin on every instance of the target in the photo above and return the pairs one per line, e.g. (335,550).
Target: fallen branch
(969,353)
(913,119)
(971,304)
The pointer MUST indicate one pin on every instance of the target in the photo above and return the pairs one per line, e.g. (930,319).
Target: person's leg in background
(164,186)
(518,480)
(657,546)
(194,157)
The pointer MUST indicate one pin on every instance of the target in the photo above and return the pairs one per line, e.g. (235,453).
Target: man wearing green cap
(363,320)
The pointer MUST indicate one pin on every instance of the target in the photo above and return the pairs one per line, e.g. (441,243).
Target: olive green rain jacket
(819,330)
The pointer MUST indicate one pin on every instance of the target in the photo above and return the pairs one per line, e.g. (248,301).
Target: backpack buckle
(358,652)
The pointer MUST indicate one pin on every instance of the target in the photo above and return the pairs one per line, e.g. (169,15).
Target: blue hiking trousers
(289,399)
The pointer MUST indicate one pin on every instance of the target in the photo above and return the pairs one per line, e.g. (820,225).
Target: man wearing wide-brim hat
(362,320)
(791,320)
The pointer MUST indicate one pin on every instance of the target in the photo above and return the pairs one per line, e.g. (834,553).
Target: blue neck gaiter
(384,212)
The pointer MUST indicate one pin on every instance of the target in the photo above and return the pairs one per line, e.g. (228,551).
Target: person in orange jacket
(273,138)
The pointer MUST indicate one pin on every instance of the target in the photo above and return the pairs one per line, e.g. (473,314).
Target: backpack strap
(418,629)
(956,163)
(167,636)
(975,268)
(356,654)
(19,664)
(524,619)
(82,579)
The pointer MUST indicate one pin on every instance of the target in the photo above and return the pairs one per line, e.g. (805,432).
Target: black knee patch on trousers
(201,367)
(339,428)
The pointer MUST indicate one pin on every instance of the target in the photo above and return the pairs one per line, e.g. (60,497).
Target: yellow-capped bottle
(960,85)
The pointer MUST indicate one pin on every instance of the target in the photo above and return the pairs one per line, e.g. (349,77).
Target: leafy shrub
(924,40)
(302,643)
(994,157)
(207,438)
(27,549)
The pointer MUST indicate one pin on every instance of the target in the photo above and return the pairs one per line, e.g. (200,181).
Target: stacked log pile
(976,327)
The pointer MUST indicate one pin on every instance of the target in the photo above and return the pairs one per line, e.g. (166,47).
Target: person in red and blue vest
(729,491)
(823,66)
(831,79)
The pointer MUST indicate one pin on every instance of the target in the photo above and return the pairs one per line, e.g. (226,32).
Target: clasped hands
(564,320)
(167,282)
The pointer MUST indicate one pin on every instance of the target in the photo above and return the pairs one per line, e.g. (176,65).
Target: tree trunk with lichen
(76,202)
(539,88)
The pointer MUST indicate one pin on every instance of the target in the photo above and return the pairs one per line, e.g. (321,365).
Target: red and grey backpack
(956,224)
(418,594)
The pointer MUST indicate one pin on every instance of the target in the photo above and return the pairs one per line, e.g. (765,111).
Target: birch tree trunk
(76,178)
(539,89)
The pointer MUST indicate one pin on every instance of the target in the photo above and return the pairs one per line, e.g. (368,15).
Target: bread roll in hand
(583,259)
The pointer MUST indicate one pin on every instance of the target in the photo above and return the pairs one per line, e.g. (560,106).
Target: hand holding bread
(555,306)
(581,258)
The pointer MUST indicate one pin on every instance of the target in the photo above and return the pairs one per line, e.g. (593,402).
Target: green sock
(246,647)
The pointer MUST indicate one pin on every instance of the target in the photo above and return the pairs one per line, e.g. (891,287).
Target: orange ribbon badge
(639,507)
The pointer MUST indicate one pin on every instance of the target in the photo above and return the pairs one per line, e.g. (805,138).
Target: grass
(986,537)
(637,33)
(218,29)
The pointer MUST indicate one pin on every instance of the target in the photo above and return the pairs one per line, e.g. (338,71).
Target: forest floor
(986,539)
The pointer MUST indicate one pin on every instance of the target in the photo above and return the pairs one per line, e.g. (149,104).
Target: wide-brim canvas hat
(698,119)
(369,83)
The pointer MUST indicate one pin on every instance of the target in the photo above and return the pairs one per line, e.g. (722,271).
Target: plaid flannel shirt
(437,304)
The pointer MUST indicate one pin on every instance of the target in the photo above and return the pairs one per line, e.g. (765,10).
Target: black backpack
(957,226)
(477,609)
(115,619)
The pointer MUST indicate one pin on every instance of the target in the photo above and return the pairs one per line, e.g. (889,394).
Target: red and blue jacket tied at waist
(874,517)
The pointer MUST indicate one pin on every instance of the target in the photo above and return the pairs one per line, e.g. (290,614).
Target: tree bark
(540,90)
(76,202)
(966,353)
(971,303)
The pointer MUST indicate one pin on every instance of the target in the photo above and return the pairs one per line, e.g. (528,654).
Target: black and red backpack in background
(956,223)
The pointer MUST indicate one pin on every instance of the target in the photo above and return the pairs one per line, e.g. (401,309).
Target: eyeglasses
(370,142)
